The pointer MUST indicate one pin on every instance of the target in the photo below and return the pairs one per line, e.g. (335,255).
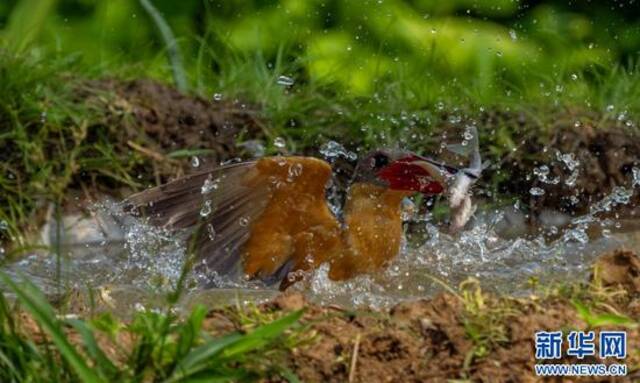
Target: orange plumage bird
(269,218)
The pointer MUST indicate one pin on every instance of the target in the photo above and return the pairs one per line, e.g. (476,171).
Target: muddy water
(123,264)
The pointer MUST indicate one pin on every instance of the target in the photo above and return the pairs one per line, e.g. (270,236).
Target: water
(285,81)
(130,264)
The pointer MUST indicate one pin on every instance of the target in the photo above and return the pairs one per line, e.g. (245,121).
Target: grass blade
(183,153)
(600,320)
(102,362)
(261,336)
(231,345)
(173,50)
(26,21)
(191,364)
(44,314)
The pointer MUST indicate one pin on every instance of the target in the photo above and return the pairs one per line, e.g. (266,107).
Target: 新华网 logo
(553,345)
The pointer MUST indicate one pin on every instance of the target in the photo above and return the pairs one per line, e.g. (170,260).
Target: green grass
(58,134)
(158,347)
(49,134)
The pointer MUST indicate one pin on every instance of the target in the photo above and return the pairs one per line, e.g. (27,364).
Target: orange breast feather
(373,231)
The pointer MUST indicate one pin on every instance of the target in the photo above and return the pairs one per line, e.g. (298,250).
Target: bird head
(405,171)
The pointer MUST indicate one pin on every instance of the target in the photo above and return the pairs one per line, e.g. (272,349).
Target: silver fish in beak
(460,184)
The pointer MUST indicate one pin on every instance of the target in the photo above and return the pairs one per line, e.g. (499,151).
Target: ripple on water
(141,262)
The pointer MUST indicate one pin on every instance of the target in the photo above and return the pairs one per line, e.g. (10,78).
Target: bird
(268,219)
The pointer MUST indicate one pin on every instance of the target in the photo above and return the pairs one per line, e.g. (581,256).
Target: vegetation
(369,73)
(348,76)
(40,345)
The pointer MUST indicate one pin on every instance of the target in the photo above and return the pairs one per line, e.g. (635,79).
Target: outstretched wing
(273,200)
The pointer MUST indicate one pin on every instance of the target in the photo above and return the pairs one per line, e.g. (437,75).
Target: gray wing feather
(234,204)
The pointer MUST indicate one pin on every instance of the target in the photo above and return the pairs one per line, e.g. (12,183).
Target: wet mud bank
(465,334)
(576,160)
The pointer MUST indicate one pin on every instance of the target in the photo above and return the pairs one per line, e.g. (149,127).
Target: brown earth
(468,336)
(606,151)
(173,121)
(429,340)
(156,122)
(159,123)
(606,159)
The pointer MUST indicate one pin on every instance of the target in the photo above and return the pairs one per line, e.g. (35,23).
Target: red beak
(415,173)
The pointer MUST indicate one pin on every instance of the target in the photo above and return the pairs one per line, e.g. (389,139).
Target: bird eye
(380,160)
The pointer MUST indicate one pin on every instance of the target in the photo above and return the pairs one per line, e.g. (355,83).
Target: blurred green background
(364,73)
(351,45)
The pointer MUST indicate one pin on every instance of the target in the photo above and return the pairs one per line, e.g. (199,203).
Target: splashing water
(331,150)
(115,251)
(285,81)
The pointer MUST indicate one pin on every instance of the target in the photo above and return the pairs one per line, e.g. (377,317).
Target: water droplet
(573,178)
(279,142)
(541,171)
(4,225)
(217,97)
(43,117)
(195,161)
(574,76)
(621,195)
(536,191)
(209,185)
(285,81)
(244,221)
(211,232)
(610,108)
(569,159)
(206,209)
(578,234)
(332,150)
(513,34)
(636,176)
(295,170)
(408,210)
(468,132)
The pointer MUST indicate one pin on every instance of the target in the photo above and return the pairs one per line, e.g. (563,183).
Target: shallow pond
(117,262)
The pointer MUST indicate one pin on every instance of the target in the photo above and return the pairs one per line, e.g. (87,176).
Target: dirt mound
(175,121)
(585,161)
(577,164)
(620,268)
(167,128)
